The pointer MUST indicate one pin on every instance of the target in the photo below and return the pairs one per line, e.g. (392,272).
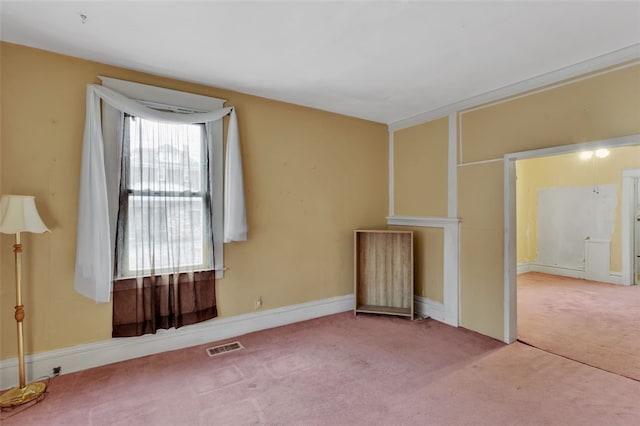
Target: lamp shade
(18,213)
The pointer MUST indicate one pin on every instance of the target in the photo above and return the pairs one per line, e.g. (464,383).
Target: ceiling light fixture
(600,153)
(586,155)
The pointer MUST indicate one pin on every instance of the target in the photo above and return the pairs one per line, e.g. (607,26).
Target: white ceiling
(382,61)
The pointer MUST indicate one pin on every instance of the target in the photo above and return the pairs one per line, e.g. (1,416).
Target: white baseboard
(523,268)
(428,308)
(614,277)
(557,270)
(82,357)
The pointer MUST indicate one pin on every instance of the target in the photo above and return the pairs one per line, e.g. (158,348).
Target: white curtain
(164,222)
(95,247)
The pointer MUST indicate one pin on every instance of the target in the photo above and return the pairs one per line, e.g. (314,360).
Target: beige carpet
(594,323)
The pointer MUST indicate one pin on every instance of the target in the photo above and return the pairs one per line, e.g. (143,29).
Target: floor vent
(223,349)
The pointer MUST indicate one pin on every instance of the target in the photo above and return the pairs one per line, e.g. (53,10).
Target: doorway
(510,234)
(569,214)
(570,300)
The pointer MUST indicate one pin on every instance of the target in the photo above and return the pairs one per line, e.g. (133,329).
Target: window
(167,99)
(164,222)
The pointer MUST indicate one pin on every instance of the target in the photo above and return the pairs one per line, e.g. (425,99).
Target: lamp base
(18,396)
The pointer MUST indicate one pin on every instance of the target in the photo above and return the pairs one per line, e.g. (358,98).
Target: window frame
(127,192)
(178,101)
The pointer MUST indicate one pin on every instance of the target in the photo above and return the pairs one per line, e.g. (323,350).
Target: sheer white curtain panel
(164,222)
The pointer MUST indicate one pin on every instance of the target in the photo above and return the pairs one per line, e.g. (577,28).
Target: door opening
(629,257)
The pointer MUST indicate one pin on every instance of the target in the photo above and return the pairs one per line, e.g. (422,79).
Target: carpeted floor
(343,370)
(590,322)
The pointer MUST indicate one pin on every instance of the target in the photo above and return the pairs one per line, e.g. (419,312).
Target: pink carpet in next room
(343,370)
(587,321)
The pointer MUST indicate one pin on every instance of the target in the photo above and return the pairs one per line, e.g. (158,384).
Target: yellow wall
(566,171)
(428,261)
(420,156)
(592,108)
(420,169)
(311,178)
(596,108)
(600,107)
(524,215)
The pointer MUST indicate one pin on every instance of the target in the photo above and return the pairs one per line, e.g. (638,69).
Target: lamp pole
(18,214)
(17,250)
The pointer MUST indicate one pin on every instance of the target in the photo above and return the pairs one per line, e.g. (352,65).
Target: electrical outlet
(56,371)
(258,302)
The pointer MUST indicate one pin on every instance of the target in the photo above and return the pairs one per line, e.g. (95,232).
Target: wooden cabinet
(383,275)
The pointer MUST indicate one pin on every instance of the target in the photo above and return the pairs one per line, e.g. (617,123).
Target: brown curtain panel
(144,305)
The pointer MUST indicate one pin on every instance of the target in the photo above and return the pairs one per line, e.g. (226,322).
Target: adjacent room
(573,298)
(319,213)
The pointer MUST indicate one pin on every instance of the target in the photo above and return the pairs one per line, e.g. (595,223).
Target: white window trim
(192,102)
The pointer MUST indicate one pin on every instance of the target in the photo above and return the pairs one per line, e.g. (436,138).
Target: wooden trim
(392,195)
(422,221)
(628,275)
(425,307)
(451,249)
(452,171)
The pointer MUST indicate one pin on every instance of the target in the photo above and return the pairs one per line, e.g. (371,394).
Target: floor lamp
(18,214)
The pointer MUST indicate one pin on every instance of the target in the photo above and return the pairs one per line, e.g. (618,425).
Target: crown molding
(620,56)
